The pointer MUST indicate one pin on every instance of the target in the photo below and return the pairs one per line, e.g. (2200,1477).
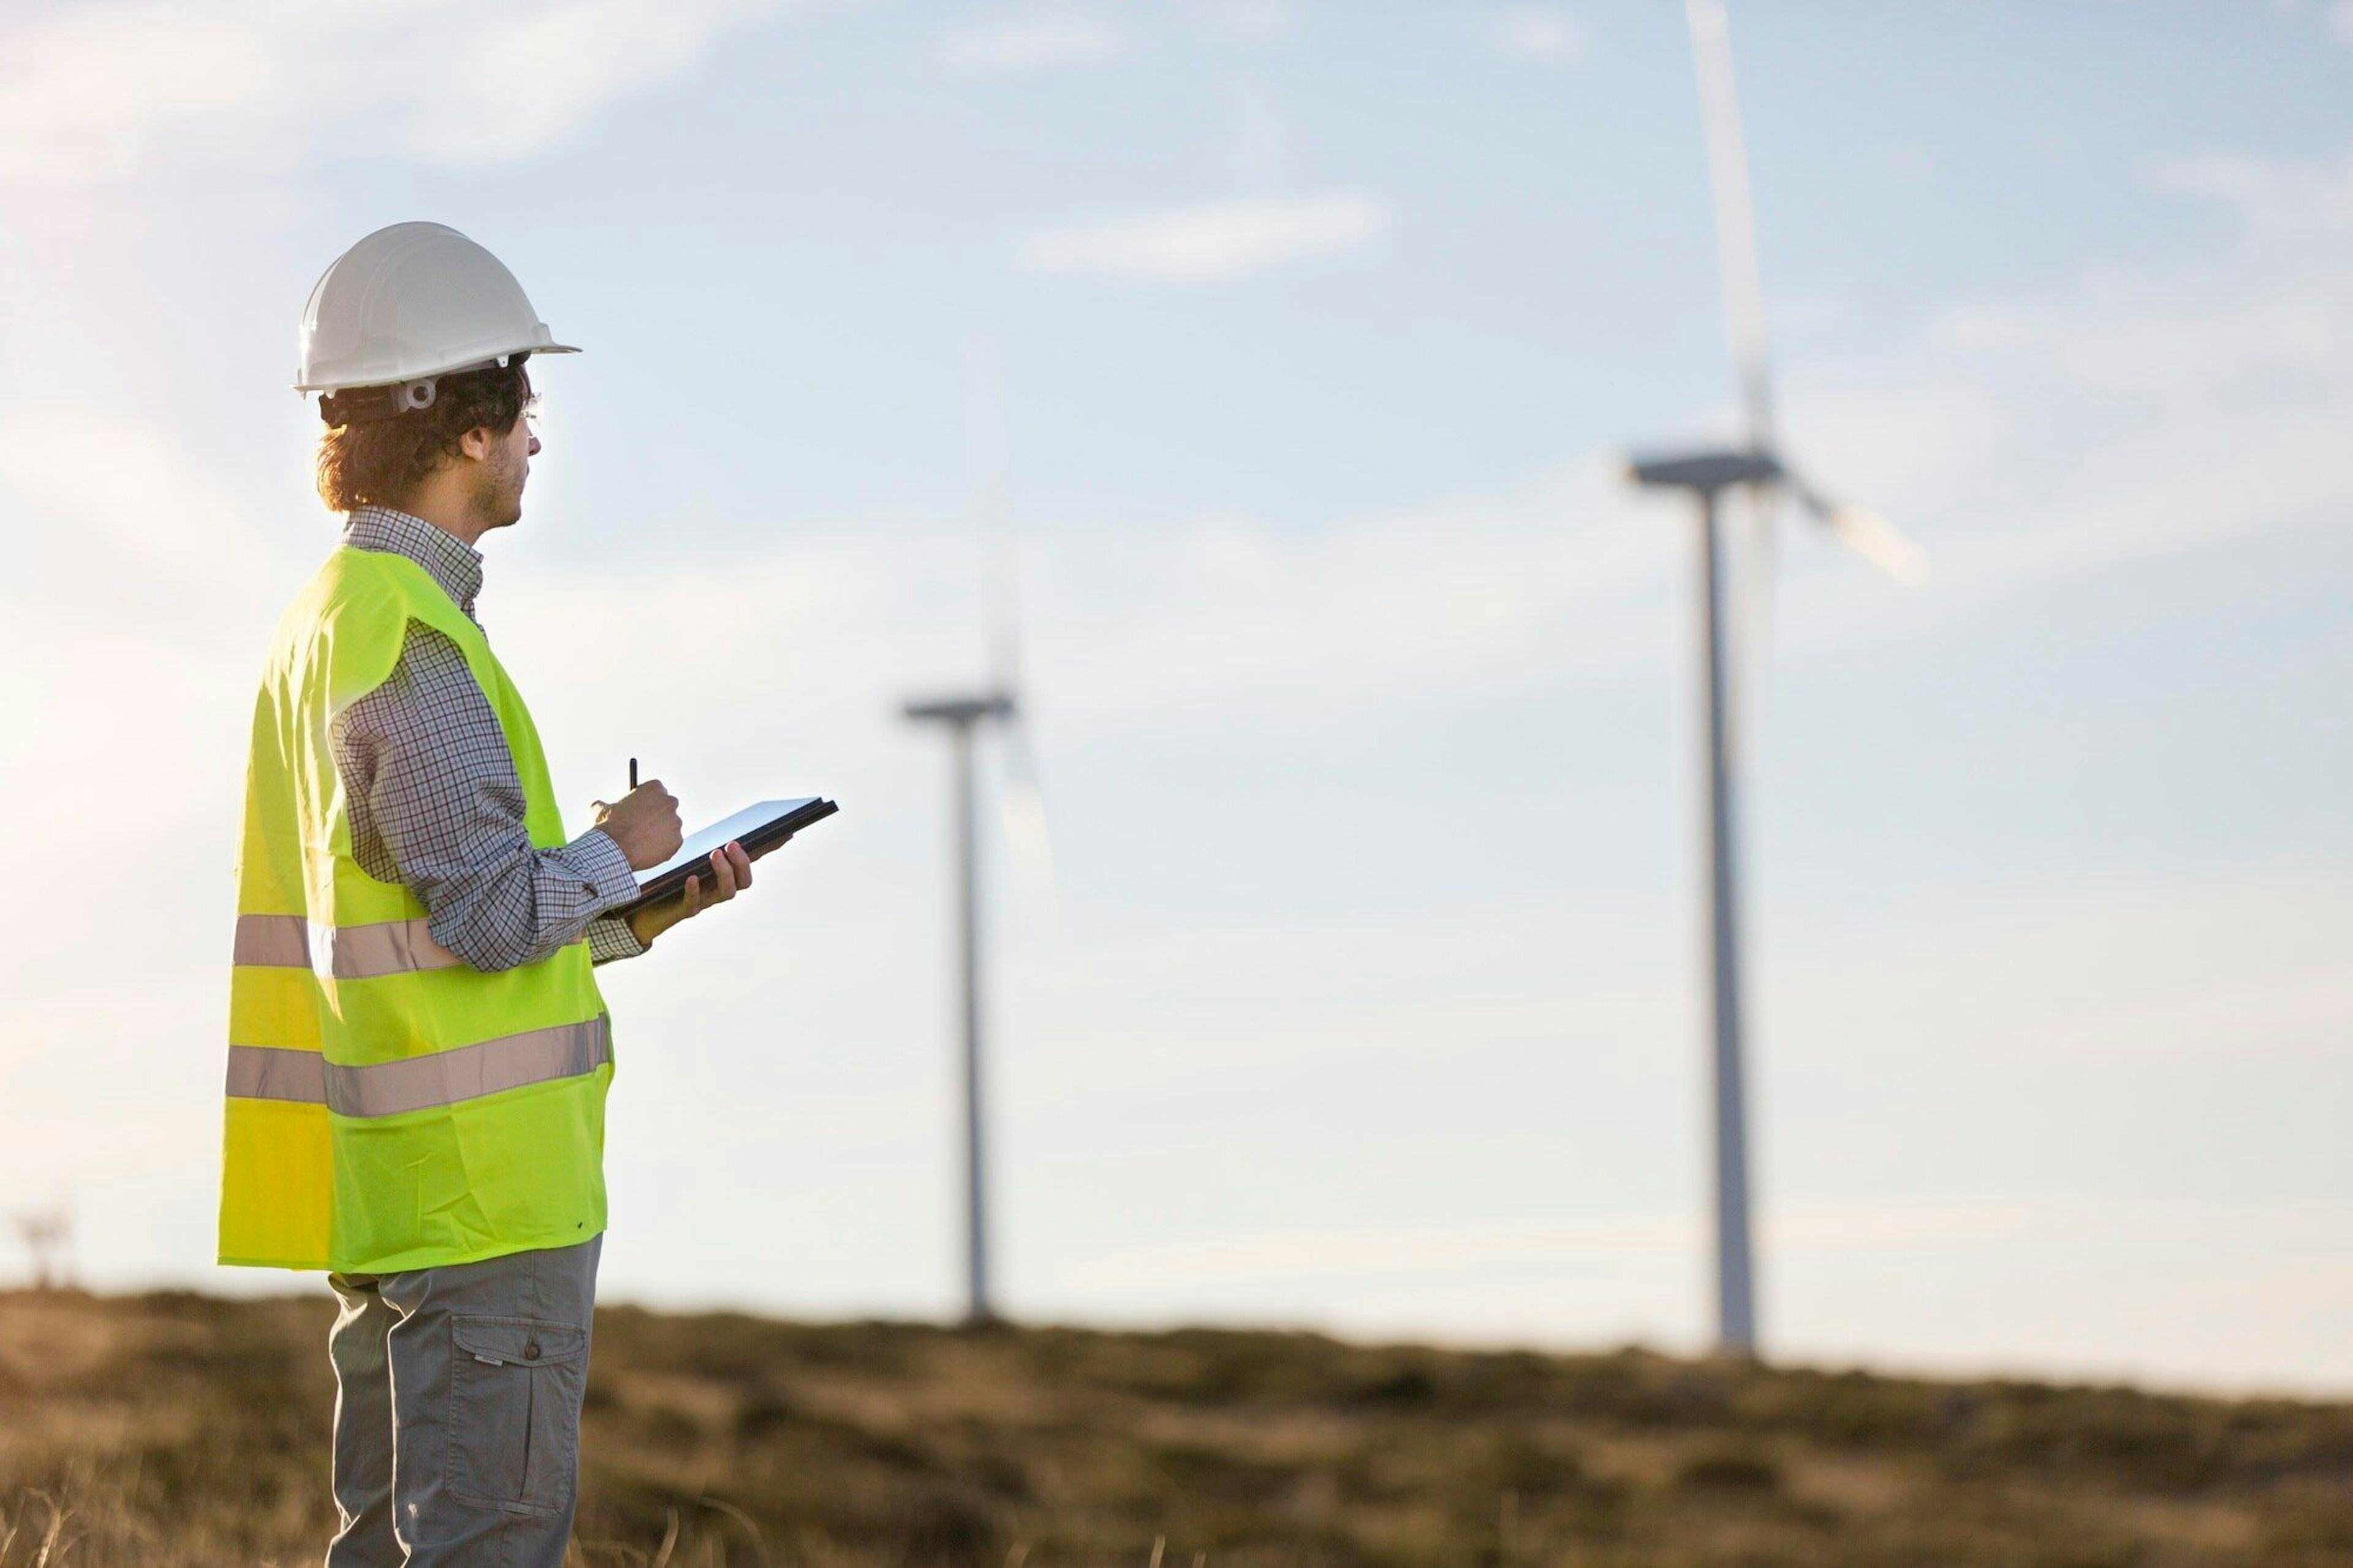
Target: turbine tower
(960,716)
(1001,702)
(1758,469)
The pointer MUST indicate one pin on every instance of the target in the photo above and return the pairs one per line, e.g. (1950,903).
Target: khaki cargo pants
(457,1397)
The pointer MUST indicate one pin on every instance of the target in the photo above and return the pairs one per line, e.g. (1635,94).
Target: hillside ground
(171,1431)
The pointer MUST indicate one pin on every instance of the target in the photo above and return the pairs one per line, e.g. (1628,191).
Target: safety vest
(390,1107)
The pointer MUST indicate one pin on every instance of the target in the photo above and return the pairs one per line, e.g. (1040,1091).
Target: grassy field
(176,1430)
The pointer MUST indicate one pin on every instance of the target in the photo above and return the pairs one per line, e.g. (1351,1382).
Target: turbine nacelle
(964,710)
(1705,471)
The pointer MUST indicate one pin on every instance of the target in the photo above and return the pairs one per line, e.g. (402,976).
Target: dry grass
(170,1431)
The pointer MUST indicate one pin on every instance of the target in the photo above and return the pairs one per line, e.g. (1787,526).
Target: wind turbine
(1758,469)
(962,714)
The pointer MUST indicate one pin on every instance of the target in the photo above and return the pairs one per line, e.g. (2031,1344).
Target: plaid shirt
(435,801)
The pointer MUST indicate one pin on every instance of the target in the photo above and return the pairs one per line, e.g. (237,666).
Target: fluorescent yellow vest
(390,1107)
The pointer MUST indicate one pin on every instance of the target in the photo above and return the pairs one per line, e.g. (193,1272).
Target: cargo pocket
(515,1386)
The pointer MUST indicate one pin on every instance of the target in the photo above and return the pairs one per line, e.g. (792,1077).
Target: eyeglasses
(531,410)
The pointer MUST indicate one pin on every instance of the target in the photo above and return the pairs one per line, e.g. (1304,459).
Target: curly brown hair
(382,461)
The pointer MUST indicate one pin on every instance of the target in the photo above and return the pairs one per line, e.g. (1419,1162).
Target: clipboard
(759,829)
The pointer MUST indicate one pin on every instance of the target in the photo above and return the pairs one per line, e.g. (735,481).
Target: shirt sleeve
(610,940)
(436,806)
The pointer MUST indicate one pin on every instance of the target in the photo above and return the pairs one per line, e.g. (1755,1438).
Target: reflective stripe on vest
(346,952)
(420,1083)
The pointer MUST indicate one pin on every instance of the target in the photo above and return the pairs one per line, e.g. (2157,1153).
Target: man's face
(500,472)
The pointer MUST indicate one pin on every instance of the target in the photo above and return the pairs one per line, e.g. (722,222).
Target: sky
(1294,347)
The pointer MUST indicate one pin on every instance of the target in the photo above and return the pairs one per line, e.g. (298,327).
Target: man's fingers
(731,872)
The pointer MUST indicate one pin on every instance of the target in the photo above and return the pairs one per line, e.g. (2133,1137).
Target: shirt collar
(447,559)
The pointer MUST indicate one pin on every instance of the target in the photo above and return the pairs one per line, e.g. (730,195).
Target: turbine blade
(1021,802)
(997,539)
(1000,545)
(1868,534)
(1029,837)
(1024,804)
(1735,215)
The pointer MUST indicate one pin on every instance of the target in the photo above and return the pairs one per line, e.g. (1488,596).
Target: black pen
(633,773)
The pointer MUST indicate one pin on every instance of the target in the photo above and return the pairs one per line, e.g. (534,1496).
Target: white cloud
(163,651)
(1487,596)
(1217,240)
(105,90)
(1538,32)
(87,479)
(2273,198)
(1035,40)
(2340,16)
(1060,35)
(1247,21)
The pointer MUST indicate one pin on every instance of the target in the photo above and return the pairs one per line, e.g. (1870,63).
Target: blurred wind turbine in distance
(1002,701)
(1759,471)
(48,1235)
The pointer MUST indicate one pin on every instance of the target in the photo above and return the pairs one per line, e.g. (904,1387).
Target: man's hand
(731,873)
(644,822)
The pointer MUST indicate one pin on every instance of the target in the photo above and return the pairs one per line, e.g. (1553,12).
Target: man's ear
(477,442)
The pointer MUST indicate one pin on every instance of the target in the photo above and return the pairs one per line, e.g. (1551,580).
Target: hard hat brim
(471,361)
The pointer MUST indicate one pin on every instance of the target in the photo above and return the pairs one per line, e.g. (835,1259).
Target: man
(418,1054)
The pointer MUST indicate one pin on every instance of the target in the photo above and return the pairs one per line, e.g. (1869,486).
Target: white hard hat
(411,302)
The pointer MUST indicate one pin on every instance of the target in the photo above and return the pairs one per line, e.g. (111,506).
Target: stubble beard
(498,496)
